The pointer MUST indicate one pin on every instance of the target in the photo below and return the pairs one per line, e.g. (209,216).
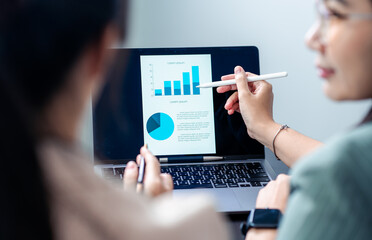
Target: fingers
(241,82)
(235,108)
(155,183)
(261,201)
(138,159)
(275,194)
(130,176)
(283,180)
(232,76)
(167,181)
(152,163)
(139,187)
(228,77)
(251,85)
(224,89)
(231,101)
(227,88)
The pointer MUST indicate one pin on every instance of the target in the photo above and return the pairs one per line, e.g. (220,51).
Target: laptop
(151,96)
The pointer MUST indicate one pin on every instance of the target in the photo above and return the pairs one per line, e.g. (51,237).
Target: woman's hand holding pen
(254,100)
(155,182)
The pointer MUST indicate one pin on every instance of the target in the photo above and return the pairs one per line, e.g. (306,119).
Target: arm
(261,234)
(254,100)
(290,145)
(274,195)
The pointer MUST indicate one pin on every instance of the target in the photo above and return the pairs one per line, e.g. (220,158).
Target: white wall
(276,27)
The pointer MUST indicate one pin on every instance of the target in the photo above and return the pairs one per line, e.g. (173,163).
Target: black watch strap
(261,218)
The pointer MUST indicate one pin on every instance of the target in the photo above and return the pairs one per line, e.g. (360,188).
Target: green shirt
(331,191)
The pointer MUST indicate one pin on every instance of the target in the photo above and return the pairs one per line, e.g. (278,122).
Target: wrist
(264,219)
(259,233)
(264,132)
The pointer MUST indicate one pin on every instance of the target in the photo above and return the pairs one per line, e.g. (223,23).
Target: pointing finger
(241,81)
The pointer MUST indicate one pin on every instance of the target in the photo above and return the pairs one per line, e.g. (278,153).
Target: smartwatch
(261,218)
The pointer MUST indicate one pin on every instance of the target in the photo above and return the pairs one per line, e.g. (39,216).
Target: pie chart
(160,126)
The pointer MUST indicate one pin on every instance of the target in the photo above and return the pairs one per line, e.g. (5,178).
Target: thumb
(130,176)
(241,81)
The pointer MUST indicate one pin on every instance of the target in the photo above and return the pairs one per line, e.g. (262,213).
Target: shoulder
(329,185)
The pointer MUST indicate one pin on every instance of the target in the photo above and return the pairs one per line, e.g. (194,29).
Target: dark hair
(40,40)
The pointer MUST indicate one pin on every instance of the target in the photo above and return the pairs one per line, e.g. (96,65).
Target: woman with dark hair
(52,59)
(330,193)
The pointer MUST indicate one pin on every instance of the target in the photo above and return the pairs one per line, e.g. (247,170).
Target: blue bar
(158,92)
(177,87)
(167,88)
(195,80)
(186,83)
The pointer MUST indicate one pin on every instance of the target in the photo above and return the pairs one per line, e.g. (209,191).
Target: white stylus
(249,79)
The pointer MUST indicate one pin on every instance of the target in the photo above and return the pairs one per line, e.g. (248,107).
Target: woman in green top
(330,194)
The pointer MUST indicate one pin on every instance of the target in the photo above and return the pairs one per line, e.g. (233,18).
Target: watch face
(265,218)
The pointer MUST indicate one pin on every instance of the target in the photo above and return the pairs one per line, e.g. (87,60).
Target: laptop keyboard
(233,175)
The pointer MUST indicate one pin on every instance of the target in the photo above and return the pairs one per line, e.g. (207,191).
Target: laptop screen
(151,96)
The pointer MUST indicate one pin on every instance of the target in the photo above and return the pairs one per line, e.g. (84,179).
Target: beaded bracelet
(284,126)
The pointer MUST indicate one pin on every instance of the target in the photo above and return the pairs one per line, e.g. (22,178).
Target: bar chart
(174,87)
(175,75)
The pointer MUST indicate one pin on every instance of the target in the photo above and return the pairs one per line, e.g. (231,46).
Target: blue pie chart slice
(160,126)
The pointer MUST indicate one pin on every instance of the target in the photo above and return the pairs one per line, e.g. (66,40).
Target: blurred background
(276,27)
